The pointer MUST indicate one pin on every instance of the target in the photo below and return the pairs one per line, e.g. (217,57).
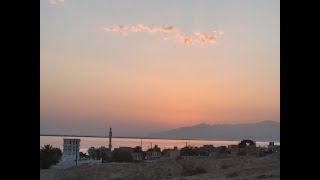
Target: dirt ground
(218,168)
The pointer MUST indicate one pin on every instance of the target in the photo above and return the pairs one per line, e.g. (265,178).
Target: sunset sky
(145,66)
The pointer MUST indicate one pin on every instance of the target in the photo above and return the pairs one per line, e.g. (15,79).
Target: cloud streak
(200,38)
(206,38)
(184,39)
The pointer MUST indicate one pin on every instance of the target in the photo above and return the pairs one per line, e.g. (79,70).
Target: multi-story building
(71,149)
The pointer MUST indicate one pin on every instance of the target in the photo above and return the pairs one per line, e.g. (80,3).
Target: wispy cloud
(141,27)
(138,28)
(115,28)
(184,39)
(206,38)
(122,29)
(199,38)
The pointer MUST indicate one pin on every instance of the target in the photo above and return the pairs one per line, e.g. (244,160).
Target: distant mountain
(262,131)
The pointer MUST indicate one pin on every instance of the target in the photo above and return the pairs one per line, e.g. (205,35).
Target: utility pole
(76,155)
(186,149)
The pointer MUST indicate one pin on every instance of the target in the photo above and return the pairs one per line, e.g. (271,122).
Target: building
(271,144)
(273,148)
(137,156)
(127,149)
(243,150)
(221,150)
(234,149)
(153,153)
(108,152)
(110,138)
(209,149)
(262,151)
(71,149)
(171,153)
(251,149)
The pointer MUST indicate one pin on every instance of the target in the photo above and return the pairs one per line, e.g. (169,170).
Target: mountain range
(261,131)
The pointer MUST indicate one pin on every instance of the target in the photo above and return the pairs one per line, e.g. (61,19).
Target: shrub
(49,156)
(190,170)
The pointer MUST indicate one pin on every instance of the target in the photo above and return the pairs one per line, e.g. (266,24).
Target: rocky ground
(227,167)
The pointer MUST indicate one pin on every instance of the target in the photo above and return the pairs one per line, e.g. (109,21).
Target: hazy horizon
(144,67)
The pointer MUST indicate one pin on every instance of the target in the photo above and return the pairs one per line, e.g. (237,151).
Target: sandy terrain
(229,167)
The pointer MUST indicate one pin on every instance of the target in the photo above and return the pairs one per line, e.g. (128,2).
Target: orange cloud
(185,39)
(206,38)
(200,37)
(115,28)
(141,27)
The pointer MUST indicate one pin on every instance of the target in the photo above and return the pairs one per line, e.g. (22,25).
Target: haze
(206,61)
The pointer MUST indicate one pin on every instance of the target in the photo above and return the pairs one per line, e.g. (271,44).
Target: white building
(153,154)
(71,150)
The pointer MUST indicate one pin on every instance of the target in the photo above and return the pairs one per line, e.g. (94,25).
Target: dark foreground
(228,167)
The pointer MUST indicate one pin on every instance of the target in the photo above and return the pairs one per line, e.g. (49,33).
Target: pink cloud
(141,27)
(185,39)
(199,39)
(115,28)
(206,38)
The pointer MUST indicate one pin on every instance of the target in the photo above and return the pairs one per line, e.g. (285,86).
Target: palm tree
(49,156)
(46,148)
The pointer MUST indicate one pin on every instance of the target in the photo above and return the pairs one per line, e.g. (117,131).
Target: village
(96,155)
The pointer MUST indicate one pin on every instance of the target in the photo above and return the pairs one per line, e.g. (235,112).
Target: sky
(146,66)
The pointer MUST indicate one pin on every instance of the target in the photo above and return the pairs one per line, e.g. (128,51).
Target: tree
(91,151)
(103,153)
(83,155)
(121,156)
(57,154)
(156,148)
(49,156)
(97,154)
(189,151)
(244,143)
(137,149)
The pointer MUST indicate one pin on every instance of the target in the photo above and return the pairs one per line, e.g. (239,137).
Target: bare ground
(228,167)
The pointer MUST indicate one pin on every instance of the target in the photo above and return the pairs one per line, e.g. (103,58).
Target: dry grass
(235,167)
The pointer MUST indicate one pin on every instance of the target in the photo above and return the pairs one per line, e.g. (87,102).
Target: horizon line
(140,137)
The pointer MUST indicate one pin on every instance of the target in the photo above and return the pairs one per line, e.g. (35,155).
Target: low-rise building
(128,149)
(251,149)
(137,156)
(71,150)
(273,148)
(171,153)
(234,149)
(152,154)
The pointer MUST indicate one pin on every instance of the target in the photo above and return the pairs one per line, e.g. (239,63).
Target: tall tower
(110,137)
